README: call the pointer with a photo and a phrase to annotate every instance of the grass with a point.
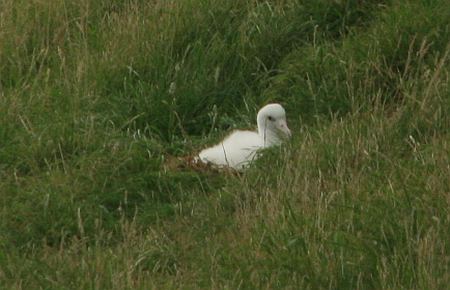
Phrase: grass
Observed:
(96, 98)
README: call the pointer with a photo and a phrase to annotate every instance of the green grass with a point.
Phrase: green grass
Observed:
(97, 98)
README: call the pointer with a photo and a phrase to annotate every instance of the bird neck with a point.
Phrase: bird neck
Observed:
(269, 137)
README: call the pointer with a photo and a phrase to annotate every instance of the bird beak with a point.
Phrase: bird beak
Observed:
(284, 128)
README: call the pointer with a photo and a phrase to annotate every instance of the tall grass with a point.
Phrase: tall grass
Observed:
(96, 97)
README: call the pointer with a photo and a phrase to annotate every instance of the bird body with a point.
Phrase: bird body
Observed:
(241, 147)
(236, 150)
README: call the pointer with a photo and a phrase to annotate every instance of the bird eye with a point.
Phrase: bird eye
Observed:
(270, 118)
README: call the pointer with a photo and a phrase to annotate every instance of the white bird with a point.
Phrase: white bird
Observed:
(240, 148)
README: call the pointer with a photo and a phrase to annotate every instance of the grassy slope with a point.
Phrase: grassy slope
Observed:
(96, 95)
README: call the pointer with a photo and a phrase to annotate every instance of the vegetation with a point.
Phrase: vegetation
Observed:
(96, 98)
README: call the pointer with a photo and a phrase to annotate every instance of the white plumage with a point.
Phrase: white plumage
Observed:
(240, 148)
